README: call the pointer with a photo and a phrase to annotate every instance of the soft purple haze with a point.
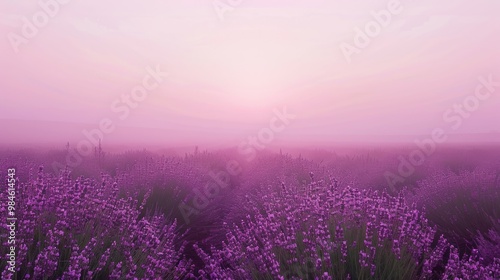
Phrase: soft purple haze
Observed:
(227, 76)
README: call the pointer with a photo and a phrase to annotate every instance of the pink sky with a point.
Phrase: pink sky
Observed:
(227, 76)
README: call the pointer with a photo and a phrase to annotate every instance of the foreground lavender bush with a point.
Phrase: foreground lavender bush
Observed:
(464, 206)
(72, 229)
(276, 221)
(328, 233)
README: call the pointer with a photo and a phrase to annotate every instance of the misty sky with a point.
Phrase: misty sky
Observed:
(229, 69)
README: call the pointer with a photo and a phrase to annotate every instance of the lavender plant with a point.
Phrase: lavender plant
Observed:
(72, 229)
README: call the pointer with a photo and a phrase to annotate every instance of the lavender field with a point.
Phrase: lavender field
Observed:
(315, 215)
(249, 140)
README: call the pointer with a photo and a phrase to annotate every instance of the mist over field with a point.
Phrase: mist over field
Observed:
(251, 139)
